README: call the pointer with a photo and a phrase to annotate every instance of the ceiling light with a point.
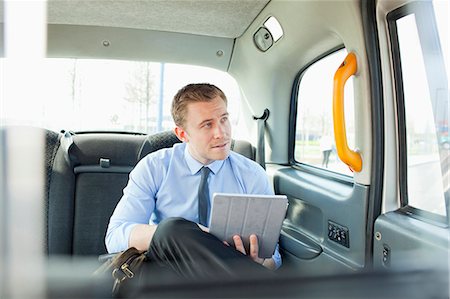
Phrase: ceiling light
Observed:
(274, 27)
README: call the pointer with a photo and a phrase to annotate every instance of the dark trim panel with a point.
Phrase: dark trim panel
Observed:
(100, 169)
(368, 13)
(392, 17)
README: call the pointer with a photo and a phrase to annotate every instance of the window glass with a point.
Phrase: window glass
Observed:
(314, 134)
(426, 100)
(113, 95)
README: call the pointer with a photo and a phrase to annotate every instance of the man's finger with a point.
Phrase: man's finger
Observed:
(254, 247)
(239, 244)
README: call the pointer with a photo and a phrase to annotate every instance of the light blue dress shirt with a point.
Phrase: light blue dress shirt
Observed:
(165, 184)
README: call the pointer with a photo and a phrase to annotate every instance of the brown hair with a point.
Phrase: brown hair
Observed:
(200, 92)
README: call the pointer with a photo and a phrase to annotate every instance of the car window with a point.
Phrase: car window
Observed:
(425, 102)
(114, 95)
(314, 133)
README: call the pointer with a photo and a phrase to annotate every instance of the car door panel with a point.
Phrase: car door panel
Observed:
(402, 241)
(319, 210)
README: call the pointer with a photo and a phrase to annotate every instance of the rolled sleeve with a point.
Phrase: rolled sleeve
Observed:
(277, 257)
(117, 236)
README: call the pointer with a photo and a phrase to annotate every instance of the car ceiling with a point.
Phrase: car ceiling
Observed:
(220, 18)
(178, 31)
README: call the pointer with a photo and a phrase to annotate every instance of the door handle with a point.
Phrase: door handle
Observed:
(298, 244)
(348, 156)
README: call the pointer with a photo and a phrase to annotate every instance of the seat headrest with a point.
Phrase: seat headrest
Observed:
(158, 141)
(119, 149)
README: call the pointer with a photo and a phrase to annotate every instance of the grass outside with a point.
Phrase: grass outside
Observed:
(309, 152)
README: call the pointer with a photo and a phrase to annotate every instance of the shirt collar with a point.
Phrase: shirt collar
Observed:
(195, 166)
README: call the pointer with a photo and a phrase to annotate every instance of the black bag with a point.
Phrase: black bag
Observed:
(123, 266)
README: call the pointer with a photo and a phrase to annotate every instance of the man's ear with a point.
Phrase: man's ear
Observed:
(181, 134)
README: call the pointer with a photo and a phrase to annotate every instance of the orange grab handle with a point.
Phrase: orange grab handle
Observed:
(348, 156)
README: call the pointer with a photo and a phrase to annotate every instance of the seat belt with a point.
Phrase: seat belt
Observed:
(260, 151)
(66, 144)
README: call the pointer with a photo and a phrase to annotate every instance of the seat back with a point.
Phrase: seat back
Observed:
(89, 173)
(88, 176)
(42, 175)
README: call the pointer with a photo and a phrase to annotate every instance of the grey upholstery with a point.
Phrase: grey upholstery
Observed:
(244, 148)
(85, 190)
(88, 175)
(52, 142)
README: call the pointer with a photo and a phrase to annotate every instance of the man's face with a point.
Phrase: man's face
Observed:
(207, 131)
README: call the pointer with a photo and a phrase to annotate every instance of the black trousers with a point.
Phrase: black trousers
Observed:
(181, 250)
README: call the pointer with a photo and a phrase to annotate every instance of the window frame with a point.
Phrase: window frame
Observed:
(293, 126)
(421, 11)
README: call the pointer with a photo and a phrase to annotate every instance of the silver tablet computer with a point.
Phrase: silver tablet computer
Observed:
(246, 214)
